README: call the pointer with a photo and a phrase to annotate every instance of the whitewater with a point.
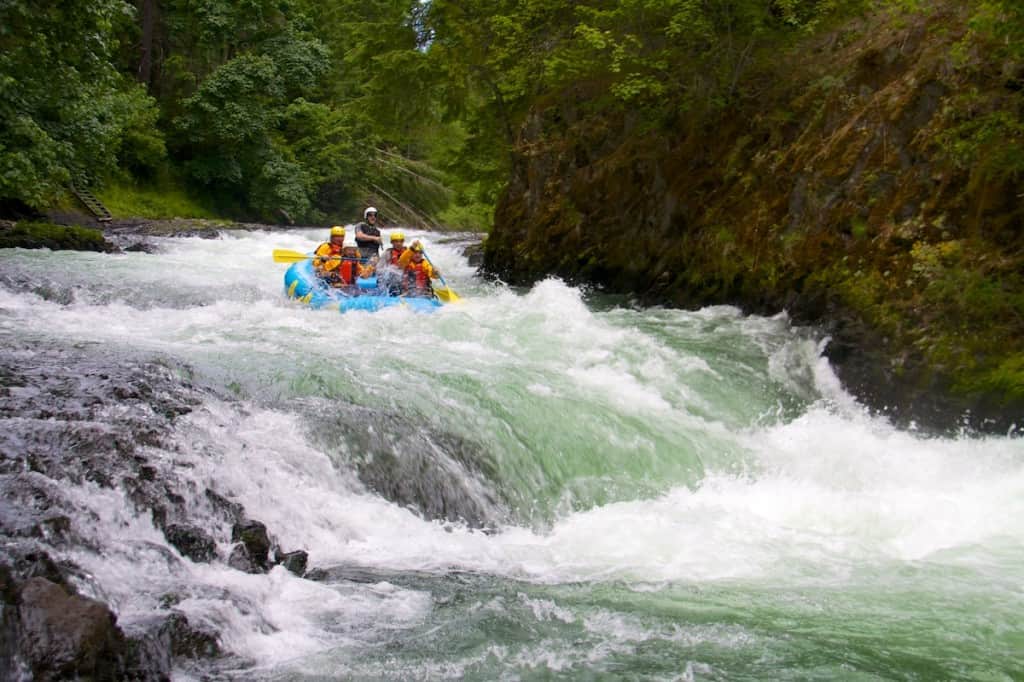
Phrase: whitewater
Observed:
(655, 494)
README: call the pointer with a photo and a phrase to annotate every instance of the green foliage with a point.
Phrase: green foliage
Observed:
(1001, 22)
(231, 127)
(469, 217)
(859, 228)
(1006, 380)
(28, 235)
(159, 197)
(989, 144)
(65, 111)
(954, 274)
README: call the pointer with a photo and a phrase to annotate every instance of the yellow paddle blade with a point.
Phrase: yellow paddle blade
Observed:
(287, 256)
(446, 295)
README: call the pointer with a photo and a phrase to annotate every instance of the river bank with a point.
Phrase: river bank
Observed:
(864, 190)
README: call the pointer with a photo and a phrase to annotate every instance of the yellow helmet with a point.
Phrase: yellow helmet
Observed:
(397, 236)
(337, 231)
(416, 246)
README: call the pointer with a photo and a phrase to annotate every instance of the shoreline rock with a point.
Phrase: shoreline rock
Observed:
(831, 195)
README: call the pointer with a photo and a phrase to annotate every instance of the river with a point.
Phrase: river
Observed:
(654, 494)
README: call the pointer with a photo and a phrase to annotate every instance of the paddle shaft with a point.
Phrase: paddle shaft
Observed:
(439, 275)
(286, 256)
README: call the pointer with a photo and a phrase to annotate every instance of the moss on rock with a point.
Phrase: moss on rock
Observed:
(32, 235)
(870, 188)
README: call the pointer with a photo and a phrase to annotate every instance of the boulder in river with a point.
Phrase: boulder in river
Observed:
(255, 541)
(60, 635)
(191, 541)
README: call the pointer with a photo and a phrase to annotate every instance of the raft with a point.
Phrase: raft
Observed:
(301, 283)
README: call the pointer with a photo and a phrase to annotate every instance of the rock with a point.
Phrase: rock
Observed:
(64, 635)
(140, 247)
(253, 536)
(240, 560)
(232, 512)
(294, 561)
(441, 474)
(149, 650)
(190, 641)
(39, 235)
(755, 211)
(474, 254)
(191, 541)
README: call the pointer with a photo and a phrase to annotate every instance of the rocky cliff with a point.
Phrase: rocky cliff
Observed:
(865, 181)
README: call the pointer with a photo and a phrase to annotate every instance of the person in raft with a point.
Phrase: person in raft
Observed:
(389, 270)
(418, 273)
(368, 234)
(406, 256)
(328, 256)
(350, 267)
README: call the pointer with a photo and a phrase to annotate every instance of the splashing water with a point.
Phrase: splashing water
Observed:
(667, 494)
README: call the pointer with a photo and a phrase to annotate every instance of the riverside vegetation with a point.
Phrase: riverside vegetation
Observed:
(858, 164)
(861, 168)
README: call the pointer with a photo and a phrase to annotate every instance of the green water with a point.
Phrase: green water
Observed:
(683, 495)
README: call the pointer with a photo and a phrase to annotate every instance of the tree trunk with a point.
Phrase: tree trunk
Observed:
(147, 13)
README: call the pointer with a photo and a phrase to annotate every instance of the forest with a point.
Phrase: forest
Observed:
(280, 111)
(298, 111)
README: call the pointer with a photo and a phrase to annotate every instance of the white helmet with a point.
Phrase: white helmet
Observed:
(368, 211)
(350, 240)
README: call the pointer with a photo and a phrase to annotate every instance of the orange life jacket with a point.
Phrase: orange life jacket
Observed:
(324, 265)
(393, 255)
(348, 270)
(417, 276)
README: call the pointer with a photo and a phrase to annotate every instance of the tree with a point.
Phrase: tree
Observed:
(65, 112)
(231, 127)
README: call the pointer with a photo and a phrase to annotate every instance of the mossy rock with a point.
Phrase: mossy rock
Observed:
(57, 237)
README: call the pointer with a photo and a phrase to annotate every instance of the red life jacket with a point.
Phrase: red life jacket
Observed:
(393, 255)
(416, 277)
(348, 271)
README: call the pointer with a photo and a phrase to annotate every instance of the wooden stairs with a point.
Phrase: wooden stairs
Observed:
(94, 205)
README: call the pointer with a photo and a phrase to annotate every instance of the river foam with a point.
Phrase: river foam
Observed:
(642, 457)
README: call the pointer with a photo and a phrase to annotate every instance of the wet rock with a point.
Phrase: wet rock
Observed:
(85, 415)
(35, 508)
(41, 235)
(232, 512)
(189, 640)
(192, 541)
(35, 564)
(442, 475)
(49, 632)
(149, 649)
(294, 561)
(155, 642)
(474, 254)
(241, 560)
(253, 536)
(63, 635)
(141, 247)
(82, 417)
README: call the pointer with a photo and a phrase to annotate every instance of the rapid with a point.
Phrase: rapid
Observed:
(532, 484)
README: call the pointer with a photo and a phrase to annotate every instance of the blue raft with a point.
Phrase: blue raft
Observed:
(301, 283)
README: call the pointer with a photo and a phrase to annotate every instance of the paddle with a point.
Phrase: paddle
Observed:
(287, 256)
(446, 294)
